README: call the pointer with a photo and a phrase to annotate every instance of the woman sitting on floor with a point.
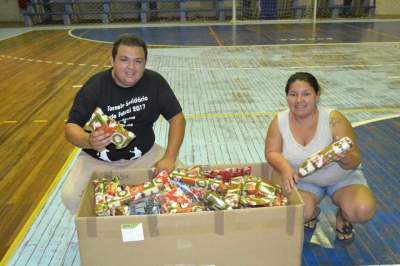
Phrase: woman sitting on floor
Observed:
(304, 129)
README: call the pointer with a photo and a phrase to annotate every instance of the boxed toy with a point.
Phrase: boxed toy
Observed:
(249, 236)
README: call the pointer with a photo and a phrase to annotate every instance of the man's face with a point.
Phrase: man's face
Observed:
(128, 65)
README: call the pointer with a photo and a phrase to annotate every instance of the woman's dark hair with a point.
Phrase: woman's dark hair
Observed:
(129, 40)
(306, 77)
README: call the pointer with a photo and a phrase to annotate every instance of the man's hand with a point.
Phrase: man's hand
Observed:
(164, 164)
(99, 139)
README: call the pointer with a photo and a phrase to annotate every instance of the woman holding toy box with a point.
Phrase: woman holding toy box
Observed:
(304, 129)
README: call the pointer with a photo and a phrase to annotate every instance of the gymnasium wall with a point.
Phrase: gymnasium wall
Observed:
(387, 7)
(9, 11)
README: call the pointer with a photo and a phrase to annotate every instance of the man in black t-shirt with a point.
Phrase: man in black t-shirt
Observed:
(135, 97)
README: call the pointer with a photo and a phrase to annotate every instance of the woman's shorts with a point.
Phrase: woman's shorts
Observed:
(356, 178)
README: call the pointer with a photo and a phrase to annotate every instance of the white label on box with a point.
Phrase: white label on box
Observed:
(132, 232)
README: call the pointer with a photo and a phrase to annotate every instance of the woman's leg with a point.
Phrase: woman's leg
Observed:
(311, 209)
(356, 204)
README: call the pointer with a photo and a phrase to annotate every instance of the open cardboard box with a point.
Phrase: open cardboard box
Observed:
(245, 237)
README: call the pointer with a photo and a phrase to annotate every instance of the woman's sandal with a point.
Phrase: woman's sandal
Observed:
(312, 223)
(346, 233)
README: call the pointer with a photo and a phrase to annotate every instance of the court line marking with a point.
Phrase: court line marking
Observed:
(223, 68)
(250, 114)
(374, 31)
(48, 62)
(36, 211)
(243, 46)
(67, 165)
(222, 115)
(310, 39)
(244, 23)
(214, 23)
(215, 36)
(357, 124)
(24, 30)
(247, 114)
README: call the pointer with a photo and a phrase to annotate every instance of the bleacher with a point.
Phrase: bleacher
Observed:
(69, 12)
(107, 11)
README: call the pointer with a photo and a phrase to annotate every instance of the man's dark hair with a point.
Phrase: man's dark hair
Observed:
(306, 77)
(129, 40)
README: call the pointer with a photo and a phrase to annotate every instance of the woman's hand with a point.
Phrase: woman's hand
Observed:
(341, 157)
(341, 127)
(289, 179)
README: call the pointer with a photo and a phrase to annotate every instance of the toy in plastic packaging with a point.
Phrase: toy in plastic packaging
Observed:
(325, 156)
(120, 136)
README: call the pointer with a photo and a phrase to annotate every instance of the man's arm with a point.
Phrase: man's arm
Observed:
(176, 133)
(96, 140)
(175, 138)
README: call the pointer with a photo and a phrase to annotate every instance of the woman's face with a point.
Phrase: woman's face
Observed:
(302, 98)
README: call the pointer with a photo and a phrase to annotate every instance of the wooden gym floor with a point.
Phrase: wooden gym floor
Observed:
(229, 95)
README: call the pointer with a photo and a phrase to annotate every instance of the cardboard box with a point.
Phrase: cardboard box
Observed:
(252, 236)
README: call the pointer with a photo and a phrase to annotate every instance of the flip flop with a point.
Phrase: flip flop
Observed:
(346, 233)
(312, 223)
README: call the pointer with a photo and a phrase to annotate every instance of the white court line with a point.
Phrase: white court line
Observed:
(357, 124)
(277, 67)
(233, 68)
(71, 28)
(190, 24)
(8, 33)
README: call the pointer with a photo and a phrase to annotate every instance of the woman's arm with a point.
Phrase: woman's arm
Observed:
(341, 127)
(273, 155)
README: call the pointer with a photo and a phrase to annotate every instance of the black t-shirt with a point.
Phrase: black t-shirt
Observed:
(137, 108)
